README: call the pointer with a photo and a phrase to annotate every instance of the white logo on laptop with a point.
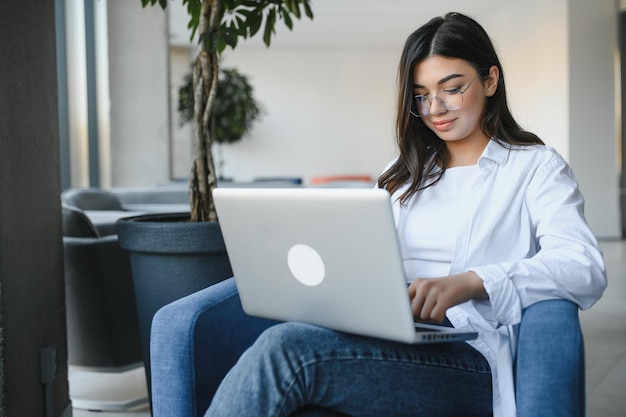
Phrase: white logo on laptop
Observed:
(306, 265)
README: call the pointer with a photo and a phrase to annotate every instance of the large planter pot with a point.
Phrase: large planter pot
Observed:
(170, 258)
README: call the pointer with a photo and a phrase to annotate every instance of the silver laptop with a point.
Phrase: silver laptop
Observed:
(328, 257)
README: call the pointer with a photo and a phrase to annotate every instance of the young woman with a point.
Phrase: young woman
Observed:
(490, 221)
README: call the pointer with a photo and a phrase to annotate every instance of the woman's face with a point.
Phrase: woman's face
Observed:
(457, 84)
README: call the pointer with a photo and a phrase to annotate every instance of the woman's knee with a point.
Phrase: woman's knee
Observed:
(289, 335)
(284, 332)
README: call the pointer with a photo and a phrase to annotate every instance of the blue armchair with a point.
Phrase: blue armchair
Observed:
(195, 340)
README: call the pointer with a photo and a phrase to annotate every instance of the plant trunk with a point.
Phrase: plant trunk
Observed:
(203, 178)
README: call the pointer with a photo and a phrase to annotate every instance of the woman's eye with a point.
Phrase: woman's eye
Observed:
(452, 90)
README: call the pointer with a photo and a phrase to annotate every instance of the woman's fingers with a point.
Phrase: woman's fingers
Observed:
(424, 299)
(417, 299)
(431, 298)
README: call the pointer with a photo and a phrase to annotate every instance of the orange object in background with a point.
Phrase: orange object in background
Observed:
(333, 178)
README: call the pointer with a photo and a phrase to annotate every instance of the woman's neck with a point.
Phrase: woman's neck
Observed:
(463, 152)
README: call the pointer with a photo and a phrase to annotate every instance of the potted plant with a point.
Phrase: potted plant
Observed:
(221, 23)
(176, 255)
(236, 109)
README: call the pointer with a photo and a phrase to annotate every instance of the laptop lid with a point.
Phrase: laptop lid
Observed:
(328, 257)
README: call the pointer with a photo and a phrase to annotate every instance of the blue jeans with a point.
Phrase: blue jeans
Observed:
(292, 365)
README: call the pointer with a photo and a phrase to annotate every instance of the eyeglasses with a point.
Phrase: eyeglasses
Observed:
(449, 99)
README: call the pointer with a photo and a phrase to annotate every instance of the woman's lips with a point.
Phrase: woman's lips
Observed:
(443, 125)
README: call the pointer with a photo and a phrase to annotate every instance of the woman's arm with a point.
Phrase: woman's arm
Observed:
(567, 264)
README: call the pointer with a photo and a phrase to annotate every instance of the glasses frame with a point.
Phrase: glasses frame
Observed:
(421, 98)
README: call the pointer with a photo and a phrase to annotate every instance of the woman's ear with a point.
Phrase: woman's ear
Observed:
(491, 82)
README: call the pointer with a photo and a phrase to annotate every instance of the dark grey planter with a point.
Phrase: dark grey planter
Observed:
(170, 258)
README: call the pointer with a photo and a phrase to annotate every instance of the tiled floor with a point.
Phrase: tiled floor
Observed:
(604, 327)
(115, 392)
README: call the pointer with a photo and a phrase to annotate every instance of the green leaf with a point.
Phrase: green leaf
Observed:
(308, 10)
(294, 7)
(162, 3)
(230, 36)
(252, 4)
(221, 45)
(246, 13)
(269, 27)
(242, 27)
(193, 9)
(254, 23)
(287, 18)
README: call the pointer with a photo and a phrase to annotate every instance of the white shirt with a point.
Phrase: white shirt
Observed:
(524, 233)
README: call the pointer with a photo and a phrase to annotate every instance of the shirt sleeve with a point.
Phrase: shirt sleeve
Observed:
(568, 263)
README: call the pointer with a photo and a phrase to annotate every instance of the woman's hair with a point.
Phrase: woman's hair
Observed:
(423, 156)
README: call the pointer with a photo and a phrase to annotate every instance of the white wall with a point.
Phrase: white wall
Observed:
(138, 71)
(326, 112)
(531, 39)
(181, 134)
(592, 118)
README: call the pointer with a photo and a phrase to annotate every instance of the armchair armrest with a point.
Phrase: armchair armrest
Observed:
(194, 342)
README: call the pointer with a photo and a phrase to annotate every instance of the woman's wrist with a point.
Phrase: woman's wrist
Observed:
(477, 287)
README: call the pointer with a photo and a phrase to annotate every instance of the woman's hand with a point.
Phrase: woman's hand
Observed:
(430, 298)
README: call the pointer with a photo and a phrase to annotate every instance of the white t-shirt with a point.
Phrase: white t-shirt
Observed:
(429, 233)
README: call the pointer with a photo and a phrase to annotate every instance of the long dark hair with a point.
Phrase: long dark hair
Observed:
(423, 156)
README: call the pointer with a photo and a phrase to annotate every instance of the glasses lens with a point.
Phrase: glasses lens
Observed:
(454, 101)
(421, 103)
(448, 100)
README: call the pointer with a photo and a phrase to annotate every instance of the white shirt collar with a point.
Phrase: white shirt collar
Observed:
(496, 152)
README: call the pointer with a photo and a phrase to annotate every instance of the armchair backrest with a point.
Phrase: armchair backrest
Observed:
(91, 199)
(76, 223)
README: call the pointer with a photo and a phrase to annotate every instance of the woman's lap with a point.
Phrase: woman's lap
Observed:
(294, 364)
